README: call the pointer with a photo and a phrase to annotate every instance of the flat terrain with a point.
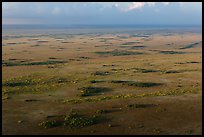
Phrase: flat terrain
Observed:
(102, 83)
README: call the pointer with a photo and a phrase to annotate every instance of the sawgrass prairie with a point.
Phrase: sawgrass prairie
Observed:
(102, 81)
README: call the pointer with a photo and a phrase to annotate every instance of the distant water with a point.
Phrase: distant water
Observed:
(84, 29)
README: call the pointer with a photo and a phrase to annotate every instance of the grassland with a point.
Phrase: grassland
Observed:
(73, 84)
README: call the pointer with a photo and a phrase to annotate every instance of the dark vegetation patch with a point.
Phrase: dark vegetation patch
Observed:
(76, 121)
(141, 105)
(172, 52)
(106, 65)
(188, 62)
(173, 92)
(102, 73)
(138, 84)
(45, 62)
(119, 53)
(73, 120)
(12, 43)
(66, 42)
(91, 91)
(96, 81)
(30, 100)
(193, 62)
(130, 43)
(190, 45)
(20, 63)
(50, 124)
(12, 59)
(33, 39)
(138, 47)
(36, 45)
(101, 111)
(52, 58)
(105, 39)
(32, 84)
(82, 57)
(145, 70)
(171, 71)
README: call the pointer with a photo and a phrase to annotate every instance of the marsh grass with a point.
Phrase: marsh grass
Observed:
(173, 92)
(141, 105)
(102, 73)
(188, 62)
(19, 63)
(50, 124)
(96, 81)
(171, 52)
(138, 47)
(36, 45)
(130, 43)
(72, 120)
(90, 90)
(171, 71)
(138, 84)
(101, 111)
(32, 84)
(82, 57)
(119, 53)
(190, 45)
(141, 70)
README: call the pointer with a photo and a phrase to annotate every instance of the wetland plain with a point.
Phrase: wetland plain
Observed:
(102, 81)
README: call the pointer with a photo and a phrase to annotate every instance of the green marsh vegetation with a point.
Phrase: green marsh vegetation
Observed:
(91, 91)
(172, 52)
(118, 53)
(138, 84)
(173, 92)
(141, 105)
(32, 84)
(73, 120)
(190, 45)
(19, 63)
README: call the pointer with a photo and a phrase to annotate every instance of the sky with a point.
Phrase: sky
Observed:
(88, 13)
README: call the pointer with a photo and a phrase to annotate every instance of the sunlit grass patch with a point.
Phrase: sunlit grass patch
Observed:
(50, 124)
(173, 92)
(32, 84)
(72, 120)
(75, 120)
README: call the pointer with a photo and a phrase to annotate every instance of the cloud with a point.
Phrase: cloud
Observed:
(151, 3)
(166, 3)
(56, 11)
(135, 5)
(139, 5)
